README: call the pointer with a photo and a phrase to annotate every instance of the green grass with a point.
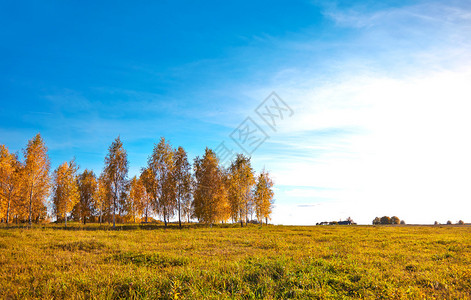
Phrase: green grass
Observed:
(274, 262)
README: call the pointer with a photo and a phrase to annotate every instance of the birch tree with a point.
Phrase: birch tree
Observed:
(10, 181)
(210, 197)
(183, 182)
(162, 167)
(65, 190)
(137, 195)
(263, 197)
(104, 197)
(88, 190)
(240, 183)
(116, 170)
(36, 177)
(150, 184)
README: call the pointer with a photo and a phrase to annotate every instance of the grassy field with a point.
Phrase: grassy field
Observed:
(274, 262)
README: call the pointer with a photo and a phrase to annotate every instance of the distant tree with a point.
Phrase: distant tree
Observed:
(183, 180)
(376, 221)
(65, 190)
(448, 222)
(210, 203)
(88, 190)
(460, 222)
(240, 182)
(385, 220)
(36, 177)
(395, 220)
(161, 162)
(263, 197)
(116, 170)
(10, 182)
(436, 223)
(403, 222)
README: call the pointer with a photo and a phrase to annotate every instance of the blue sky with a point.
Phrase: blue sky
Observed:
(380, 93)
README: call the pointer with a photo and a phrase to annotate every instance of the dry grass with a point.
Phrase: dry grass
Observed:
(282, 262)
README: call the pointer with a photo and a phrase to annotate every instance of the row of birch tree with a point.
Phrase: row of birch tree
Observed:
(168, 187)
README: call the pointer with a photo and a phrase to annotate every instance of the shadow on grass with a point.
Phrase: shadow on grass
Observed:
(119, 227)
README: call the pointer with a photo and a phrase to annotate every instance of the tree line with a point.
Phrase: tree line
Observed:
(460, 222)
(169, 186)
(385, 220)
